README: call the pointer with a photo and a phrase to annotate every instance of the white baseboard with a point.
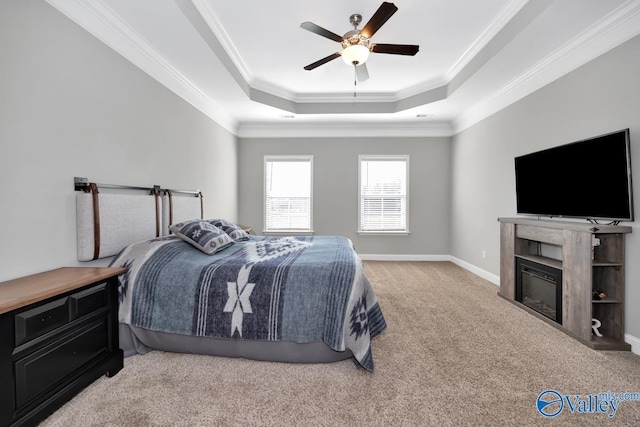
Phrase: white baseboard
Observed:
(476, 270)
(472, 268)
(394, 257)
(635, 343)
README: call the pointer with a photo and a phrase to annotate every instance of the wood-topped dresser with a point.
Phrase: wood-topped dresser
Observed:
(58, 334)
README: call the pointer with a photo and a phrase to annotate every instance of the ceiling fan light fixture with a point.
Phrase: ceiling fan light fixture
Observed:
(355, 54)
(356, 44)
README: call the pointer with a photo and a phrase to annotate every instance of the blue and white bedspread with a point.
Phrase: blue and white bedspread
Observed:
(301, 289)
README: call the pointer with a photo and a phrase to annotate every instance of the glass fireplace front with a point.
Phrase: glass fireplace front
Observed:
(539, 287)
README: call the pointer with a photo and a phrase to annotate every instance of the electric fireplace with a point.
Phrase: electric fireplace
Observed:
(539, 287)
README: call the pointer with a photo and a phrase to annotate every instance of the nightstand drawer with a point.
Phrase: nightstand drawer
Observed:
(58, 334)
(38, 321)
(88, 301)
(35, 374)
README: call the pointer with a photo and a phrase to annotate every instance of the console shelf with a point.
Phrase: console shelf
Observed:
(592, 259)
(542, 260)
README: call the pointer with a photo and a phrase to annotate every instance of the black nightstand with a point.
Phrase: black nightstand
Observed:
(58, 334)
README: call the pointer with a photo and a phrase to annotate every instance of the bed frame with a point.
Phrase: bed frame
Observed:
(110, 217)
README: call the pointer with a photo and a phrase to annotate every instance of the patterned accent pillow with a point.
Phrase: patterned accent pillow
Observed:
(203, 235)
(233, 230)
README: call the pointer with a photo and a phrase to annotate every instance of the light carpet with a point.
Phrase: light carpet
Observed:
(454, 354)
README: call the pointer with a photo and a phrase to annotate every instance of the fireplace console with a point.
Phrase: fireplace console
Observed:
(560, 292)
(539, 287)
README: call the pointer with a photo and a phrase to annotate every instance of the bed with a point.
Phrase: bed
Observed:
(207, 287)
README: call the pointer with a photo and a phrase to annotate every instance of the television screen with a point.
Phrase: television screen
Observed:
(586, 179)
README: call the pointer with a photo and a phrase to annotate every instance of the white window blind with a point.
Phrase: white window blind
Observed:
(288, 190)
(383, 193)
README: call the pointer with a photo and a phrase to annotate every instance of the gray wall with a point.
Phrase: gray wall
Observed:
(600, 97)
(70, 106)
(335, 188)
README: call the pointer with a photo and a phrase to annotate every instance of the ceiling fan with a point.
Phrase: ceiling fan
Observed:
(356, 44)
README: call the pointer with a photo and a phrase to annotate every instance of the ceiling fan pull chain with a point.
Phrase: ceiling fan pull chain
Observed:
(355, 79)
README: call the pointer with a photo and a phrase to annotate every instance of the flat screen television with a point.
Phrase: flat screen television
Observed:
(588, 179)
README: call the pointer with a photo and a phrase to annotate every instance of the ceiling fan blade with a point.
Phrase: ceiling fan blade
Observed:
(362, 74)
(396, 49)
(310, 26)
(322, 61)
(382, 15)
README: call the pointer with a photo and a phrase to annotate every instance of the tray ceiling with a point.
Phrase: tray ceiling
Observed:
(242, 63)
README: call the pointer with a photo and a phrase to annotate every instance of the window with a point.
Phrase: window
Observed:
(287, 194)
(384, 181)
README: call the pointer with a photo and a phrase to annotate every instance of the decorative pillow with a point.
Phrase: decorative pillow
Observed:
(233, 230)
(203, 235)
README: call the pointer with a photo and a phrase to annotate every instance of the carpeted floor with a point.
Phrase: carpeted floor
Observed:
(454, 353)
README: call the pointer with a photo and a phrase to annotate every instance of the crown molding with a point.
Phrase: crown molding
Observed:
(503, 18)
(342, 97)
(347, 129)
(617, 27)
(98, 19)
(208, 14)
(211, 19)
(102, 22)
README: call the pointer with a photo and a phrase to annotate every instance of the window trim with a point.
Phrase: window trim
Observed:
(382, 157)
(287, 158)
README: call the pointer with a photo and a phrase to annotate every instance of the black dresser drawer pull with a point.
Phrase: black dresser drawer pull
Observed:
(32, 323)
(88, 301)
